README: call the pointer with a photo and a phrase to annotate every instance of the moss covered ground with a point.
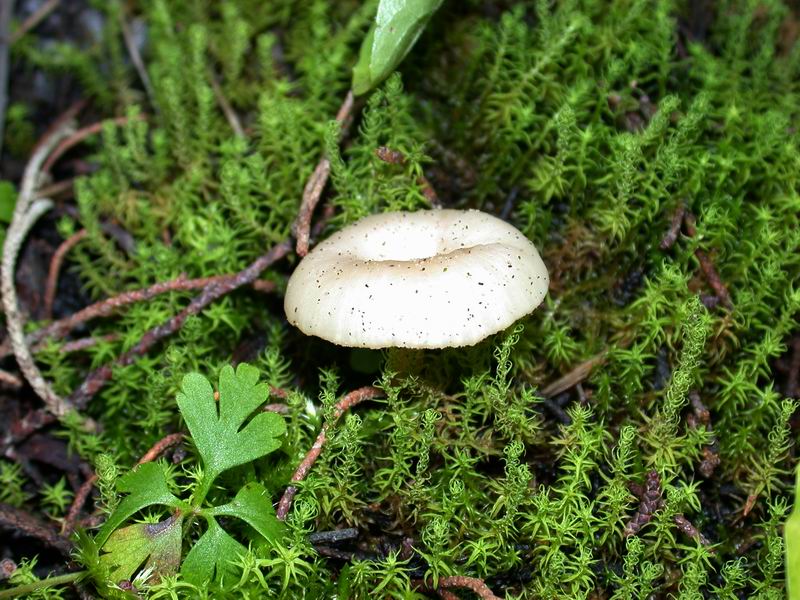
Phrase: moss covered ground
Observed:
(632, 438)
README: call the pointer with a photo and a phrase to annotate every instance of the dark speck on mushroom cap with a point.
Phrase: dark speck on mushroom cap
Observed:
(428, 279)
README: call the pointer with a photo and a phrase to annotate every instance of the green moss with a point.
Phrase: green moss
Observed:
(588, 123)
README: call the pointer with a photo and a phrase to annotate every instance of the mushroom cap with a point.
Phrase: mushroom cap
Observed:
(426, 279)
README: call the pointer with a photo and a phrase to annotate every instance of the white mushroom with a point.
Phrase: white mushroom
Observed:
(427, 279)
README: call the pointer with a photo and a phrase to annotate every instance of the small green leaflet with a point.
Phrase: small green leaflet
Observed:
(224, 438)
(253, 506)
(217, 436)
(397, 26)
(211, 556)
(129, 547)
(146, 485)
(791, 536)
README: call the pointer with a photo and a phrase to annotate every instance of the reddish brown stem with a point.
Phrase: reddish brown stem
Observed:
(77, 137)
(87, 342)
(477, 586)
(95, 381)
(107, 307)
(10, 380)
(346, 403)
(160, 447)
(55, 268)
(707, 265)
(686, 527)
(19, 521)
(675, 227)
(77, 504)
(315, 184)
(395, 157)
(34, 19)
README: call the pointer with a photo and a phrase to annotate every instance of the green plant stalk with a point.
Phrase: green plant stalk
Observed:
(41, 584)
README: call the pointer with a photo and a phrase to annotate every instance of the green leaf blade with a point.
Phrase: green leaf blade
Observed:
(253, 506)
(146, 485)
(212, 556)
(397, 26)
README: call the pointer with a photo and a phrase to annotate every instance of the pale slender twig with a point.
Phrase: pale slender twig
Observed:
(575, 376)
(55, 269)
(227, 109)
(26, 212)
(34, 19)
(78, 136)
(346, 403)
(6, 10)
(136, 59)
(10, 380)
(316, 183)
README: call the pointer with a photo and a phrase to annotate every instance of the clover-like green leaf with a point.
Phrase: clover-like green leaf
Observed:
(212, 556)
(146, 485)
(253, 506)
(219, 436)
(158, 543)
(397, 26)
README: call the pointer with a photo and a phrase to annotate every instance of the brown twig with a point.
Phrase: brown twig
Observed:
(477, 586)
(6, 11)
(227, 109)
(55, 268)
(276, 408)
(23, 428)
(315, 184)
(95, 381)
(136, 60)
(574, 377)
(686, 527)
(395, 157)
(9, 379)
(77, 504)
(77, 137)
(19, 521)
(160, 447)
(650, 502)
(675, 227)
(346, 403)
(104, 308)
(707, 265)
(87, 342)
(36, 17)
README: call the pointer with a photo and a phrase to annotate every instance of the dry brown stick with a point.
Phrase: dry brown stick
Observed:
(710, 271)
(686, 527)
(395, 157)
(346, 403)
(6, 11)
(160, 447)
(675, 227)
(477, 586)
(77, 504)
(707, 265)
(36, 17)
(227, 109)
(95, 381)
(87, 342)
(9, 379)
(55, 268)
(316, 183)
(78, 136)
(136, 59)
(104, 308)
(27, 210)
(575, 376)
(19, 521)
